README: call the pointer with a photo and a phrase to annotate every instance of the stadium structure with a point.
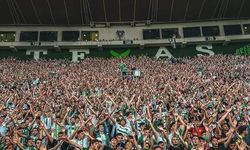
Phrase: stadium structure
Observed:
(33, 29)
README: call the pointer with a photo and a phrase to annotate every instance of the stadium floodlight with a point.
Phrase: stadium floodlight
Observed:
(120, 34)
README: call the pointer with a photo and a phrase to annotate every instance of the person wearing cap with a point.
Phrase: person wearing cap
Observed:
(194, 145)
(204, 142)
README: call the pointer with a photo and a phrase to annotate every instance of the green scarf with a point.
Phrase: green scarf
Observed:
(56, 131)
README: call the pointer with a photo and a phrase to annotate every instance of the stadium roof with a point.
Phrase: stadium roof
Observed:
(83, 12)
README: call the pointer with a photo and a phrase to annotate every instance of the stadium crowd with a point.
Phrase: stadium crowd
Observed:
(200, 103)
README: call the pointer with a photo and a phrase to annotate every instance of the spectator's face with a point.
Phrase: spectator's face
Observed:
(225, 127)
(164, 131)
(30, 143)
(23, 125)
(233, 146)
(174, 141)
(101, 128)
(195, 140)
(215, 142)
(189, 134)
(10, 147)
(30, 119)
(114, 142)
(102, 117)
(161, 145)
(203, 142)
(60, 136)
(7, 140)
(128, 145)
(38, 143)
(77, 120)
(35, 131)
(146, 132)
(39, 113)
(131, 139)
(119, 138)
(57, 119)
(81, 135)
(140, 112)
(123, 122)
(27, 121)
(142, 126)
(129, 115)
(1, 120)
(96, 145)
(73, 120)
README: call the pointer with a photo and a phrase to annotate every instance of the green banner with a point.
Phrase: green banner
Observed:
(157, 52)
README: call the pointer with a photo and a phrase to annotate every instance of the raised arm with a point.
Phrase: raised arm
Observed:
(224, 116)
(73, 143)
(46, 132)
(16, 140)
(185, 144)
(153, 128)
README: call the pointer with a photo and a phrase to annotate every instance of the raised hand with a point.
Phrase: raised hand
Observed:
(15, 140)
(133, 134)
(160, 128)
(148, 119)
(242, 145)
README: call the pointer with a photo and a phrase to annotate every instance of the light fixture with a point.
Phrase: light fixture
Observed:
(120, 34)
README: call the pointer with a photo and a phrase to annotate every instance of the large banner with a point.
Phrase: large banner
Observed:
(156, 52)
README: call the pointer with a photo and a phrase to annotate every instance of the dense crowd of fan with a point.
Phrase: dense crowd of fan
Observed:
(201, 103)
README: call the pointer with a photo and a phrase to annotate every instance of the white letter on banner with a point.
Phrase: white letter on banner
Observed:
(163, 52)
(205, 49)
(36, 55)
(78, 54)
